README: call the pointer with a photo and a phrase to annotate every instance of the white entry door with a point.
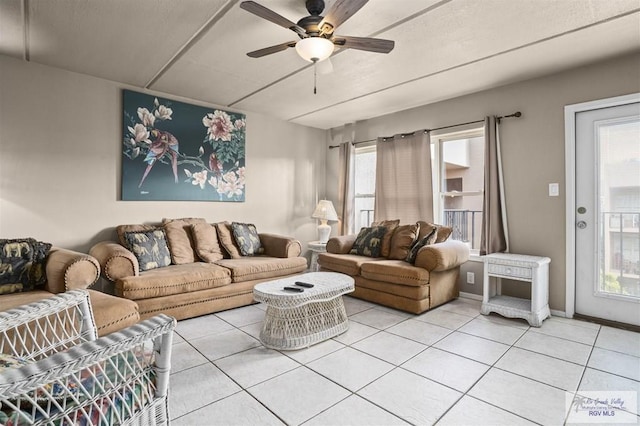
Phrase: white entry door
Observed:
(607, 212)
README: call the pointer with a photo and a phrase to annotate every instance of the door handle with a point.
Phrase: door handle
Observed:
(581, 224)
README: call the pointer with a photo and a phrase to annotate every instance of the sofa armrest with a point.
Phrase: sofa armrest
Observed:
(70, 270)
(280, 246)
(442, 256)
(341, 244)
(115, 260)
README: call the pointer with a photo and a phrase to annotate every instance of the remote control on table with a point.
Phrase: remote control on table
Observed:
(294, 289)
(305, 285)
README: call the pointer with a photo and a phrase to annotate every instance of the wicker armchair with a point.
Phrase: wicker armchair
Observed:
(65, 375)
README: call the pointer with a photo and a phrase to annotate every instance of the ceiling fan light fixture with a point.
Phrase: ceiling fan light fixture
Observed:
(314, 49)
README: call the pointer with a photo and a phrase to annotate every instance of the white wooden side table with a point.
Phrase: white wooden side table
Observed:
(316, 248)
(517, 267)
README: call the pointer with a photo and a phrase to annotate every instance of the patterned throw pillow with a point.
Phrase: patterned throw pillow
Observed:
(22, 264)
(369, 241)
(443, 231)
(424, 241)
(246, 238)
(391, 226)
(149, 247)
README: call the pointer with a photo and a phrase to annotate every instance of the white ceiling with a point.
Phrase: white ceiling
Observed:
(197, 49)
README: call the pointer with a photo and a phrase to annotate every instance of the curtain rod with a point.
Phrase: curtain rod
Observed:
(515, 114)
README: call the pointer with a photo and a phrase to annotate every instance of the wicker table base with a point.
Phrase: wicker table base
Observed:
(298, 320)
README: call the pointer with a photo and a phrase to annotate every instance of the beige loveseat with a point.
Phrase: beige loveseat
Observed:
(389, 279)
(70, 270)
(206, 274)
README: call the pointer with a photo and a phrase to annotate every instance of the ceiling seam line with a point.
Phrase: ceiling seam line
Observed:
(193, 40)
(513, 49)
(26, 54)
(390, 27)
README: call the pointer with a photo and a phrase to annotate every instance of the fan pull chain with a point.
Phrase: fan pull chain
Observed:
(315, 76)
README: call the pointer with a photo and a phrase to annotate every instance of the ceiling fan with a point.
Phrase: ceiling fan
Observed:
(316, 32)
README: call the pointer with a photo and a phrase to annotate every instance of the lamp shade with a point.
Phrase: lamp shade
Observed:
(314, 49)
(325, 211)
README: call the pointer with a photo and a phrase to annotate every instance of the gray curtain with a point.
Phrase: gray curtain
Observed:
(403, 178)
(494, 236)
(346, 188)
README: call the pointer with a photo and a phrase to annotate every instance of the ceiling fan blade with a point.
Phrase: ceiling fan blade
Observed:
(270, 15)
(339, 12)
(272, 49)
(377, 45)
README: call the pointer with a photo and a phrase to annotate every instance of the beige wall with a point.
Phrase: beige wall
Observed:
(533, 150)
(60, 150)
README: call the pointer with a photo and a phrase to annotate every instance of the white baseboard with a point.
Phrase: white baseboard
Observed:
(471, 295)
(555, 313)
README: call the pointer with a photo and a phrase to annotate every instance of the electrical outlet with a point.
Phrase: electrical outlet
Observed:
(471, 278)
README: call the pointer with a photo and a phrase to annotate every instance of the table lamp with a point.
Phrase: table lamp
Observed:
(324, 211)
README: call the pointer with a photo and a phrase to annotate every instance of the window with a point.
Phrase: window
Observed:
(458, 182)
(365, 185)
(458, 170)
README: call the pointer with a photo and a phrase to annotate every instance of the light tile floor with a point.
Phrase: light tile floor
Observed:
(448, 366)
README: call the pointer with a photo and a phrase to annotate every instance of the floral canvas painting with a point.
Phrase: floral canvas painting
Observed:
(177, 151)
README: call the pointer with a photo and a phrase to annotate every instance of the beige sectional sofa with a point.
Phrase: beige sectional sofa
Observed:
(389, 279)
(207, 273)
(70, 270)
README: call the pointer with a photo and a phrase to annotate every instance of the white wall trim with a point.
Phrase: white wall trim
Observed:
(570, 112)
(556, 313)
(471, 295)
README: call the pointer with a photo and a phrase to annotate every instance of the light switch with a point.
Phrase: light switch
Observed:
(554, 190)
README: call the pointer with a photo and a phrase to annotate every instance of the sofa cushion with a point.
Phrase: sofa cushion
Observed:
(369, 241)
(180, 240)
(246, 238)
(403, 238)
(428, 239)
(391, 225)
(345, 263)
(22, 264)
(173, 279)
(261, 267)
(443, 232)
(205, 240)
(409, 291)
(225, 236)
(395, 271)
(149, 247)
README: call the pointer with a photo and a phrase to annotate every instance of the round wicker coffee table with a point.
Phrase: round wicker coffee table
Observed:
(298, 320)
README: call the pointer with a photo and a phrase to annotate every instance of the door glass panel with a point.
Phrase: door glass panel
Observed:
(619, 202)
